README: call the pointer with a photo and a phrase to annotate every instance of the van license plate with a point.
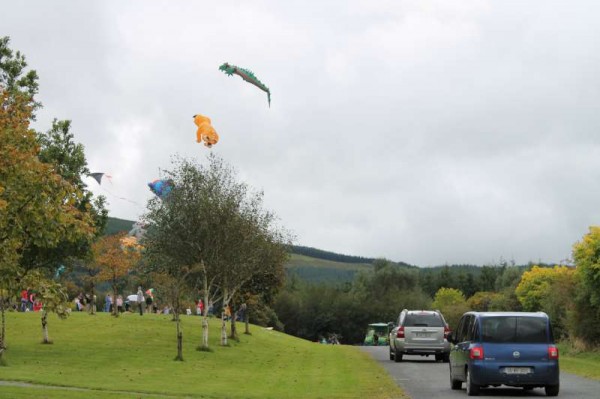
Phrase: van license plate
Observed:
(517, 370)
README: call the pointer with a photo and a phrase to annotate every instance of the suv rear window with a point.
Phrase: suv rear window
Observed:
(514, 329)
(423, 320)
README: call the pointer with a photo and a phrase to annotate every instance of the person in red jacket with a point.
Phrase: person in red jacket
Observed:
(24, 299)
(37, 305)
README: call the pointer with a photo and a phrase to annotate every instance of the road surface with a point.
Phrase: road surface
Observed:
(423, 378)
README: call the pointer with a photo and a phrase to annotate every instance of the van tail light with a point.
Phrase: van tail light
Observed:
(446, 332)
(552, 353)
(476, 353)
(400, 333)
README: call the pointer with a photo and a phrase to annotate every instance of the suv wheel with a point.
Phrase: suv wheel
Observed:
(454, 384)
(439, 358)
(552, 390)
(472, 389)
(391, 354)
(397, 356)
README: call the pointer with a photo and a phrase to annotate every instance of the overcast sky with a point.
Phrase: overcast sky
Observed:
(428, 132)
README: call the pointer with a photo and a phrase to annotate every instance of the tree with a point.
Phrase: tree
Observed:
(451, 302)
(487, 278)
(215, 235)
(37, 206)
(256, 248)
(53, 298)
(586, 254)
(114, 261)
(57, 148)
(482, 300)
(549, 290)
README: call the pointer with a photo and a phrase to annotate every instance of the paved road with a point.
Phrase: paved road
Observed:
(423, 378)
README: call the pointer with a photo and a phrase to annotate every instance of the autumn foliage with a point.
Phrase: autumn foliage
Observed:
(114, 261)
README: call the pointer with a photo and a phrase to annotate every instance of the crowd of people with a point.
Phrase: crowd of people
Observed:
(29, 302)
(141, 301)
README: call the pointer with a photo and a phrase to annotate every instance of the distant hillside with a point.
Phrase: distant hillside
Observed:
(317, 270)
(116, 225)
(310, 264)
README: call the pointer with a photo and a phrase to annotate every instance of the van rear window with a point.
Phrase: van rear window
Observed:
(514, 329)
(423, 320)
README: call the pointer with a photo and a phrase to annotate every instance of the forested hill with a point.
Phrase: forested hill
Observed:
(116, 225)
(310, 264)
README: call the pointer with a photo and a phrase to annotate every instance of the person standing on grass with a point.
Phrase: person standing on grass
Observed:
(108, 303)
(24, 299)
(140, 299)
(120, 304)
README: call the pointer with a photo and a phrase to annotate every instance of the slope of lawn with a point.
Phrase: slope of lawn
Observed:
(132, 356)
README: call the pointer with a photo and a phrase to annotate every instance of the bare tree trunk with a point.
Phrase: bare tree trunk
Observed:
(115, 311)
(204, 344)
(223, 329)
(179, 340)
(93, 300)
(223, 318)
(45, 327)
(3, 331)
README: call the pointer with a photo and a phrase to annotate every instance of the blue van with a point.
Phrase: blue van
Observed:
(504, 348)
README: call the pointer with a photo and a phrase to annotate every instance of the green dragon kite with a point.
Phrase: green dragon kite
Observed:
(247, 75)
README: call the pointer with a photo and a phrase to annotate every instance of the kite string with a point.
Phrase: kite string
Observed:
(121, 198)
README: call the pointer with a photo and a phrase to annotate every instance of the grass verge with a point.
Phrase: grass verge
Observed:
(132, 355)
(584, 364)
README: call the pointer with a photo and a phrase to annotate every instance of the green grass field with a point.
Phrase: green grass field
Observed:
(302, 260)
(132, 357)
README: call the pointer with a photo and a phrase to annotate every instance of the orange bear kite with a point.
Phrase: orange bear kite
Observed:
(205, 131)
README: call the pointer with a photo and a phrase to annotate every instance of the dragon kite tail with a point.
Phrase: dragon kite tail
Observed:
(247, 75)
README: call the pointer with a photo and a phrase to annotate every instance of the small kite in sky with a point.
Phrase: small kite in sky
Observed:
(206, 132)
(161, 188)
(248, 76)
(98, 176)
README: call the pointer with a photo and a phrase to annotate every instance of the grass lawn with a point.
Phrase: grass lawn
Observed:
(132, 356)
(585, 364)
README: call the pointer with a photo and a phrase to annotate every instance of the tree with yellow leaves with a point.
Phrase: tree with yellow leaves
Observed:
(114, 260)
(586, 254)
(550, 290)
(38, 207)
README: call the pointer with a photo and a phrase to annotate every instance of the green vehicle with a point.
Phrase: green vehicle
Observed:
(377, 334)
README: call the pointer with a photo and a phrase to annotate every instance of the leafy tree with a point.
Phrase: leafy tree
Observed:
(254, 247)
(14, 80)
(114, 261)
(482, 300)
(58, 148)
(212, 227)
(487, 278)
(536, 285)
(451, 302)
(445, 278)
(550, 290)
(586, 254)
(37, 206)
(53, 298)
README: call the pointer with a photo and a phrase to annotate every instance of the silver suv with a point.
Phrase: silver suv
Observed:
(420, 332)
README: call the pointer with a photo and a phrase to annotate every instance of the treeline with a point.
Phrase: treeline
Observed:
(570, 295)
